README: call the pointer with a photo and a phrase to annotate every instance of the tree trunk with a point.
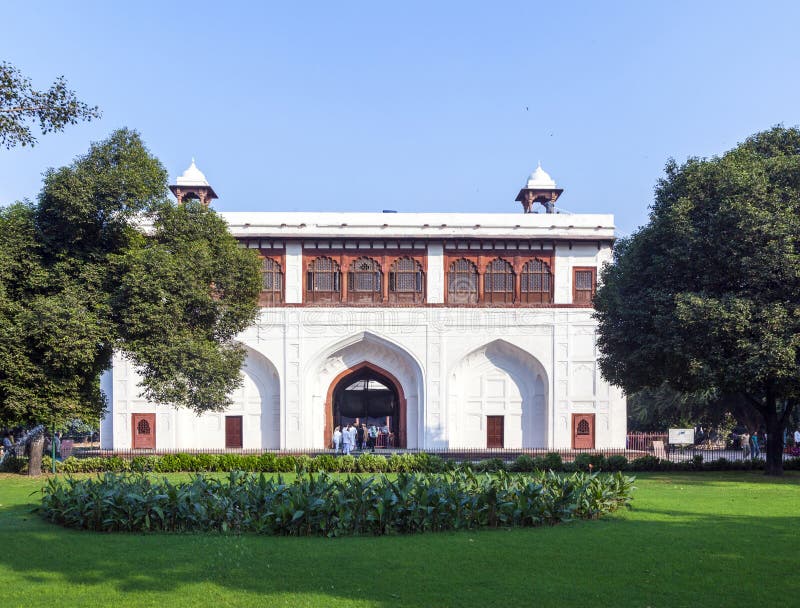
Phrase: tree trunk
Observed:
(774, 425)
(35, 455)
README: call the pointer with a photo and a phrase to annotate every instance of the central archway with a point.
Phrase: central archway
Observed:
(366, 392)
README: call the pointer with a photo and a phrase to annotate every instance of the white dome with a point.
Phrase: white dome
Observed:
(540, 179)
(192, 177)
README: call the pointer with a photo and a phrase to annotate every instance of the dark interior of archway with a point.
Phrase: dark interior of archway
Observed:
(367, 397)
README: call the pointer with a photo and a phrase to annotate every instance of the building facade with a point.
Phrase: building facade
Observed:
(446, 330)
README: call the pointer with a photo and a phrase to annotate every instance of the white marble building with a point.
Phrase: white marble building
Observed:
(460, 330)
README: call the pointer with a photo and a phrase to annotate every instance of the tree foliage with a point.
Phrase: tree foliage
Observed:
(21, 104)
(706, 296)
(103, 263)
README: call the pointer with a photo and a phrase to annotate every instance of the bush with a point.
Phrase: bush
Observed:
(316, 505)
(597, 462)
(347, 464)
(491, 465)
(552, 462)
(617, 462)
(644, 463)
(523, 464)
(371, 463)
(325, 462)
(401, 463)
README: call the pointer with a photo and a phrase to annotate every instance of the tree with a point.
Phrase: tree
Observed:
(706, 296)
(21, 104)
(103, 263)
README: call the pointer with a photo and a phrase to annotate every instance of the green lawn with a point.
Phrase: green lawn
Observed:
(707, 539)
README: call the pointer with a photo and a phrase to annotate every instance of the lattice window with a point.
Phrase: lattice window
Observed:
(323, 281)
(271, 282)
(406, 281)
(584, 428)
(143, 427)
(364, 281)
(462, 282)
(536, 282)
(584, 285)
(498, 282)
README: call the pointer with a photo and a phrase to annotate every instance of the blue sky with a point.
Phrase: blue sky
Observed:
(412, 106)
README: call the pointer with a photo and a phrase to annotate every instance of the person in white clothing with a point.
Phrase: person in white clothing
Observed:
(337, 439)
(347, 440)
(797, 437)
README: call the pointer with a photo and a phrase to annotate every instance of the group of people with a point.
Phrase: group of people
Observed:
(750, 445)
(356, 437)
(9, 447)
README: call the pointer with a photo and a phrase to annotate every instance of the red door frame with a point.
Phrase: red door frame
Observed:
(151, 420)
(576, 420)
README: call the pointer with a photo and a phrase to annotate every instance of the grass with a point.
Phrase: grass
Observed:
(710, 539)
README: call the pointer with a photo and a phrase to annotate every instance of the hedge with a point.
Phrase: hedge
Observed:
(377, 463)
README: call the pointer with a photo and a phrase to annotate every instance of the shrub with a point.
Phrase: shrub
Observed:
(644, 463)
(491, 465)
(552, 462)
(617, 462)
(325, 462)
(347, 463)
(401, 463)
(143, 464)
(371, 463)
(597, 462)
(313, 505)
(523, 464)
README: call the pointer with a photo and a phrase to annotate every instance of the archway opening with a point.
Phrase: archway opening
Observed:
(368, 395)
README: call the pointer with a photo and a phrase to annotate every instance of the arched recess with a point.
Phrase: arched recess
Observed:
(257, 400)
(336, 361)
(498, 379)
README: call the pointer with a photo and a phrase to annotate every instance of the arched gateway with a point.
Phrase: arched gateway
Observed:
(389, 375)
(370, 395)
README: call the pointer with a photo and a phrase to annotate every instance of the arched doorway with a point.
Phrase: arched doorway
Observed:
(367, 394)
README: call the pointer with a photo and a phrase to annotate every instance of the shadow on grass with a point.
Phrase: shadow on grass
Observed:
(651, 556)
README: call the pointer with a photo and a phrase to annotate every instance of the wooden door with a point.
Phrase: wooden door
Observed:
(494, 431)
(233, 431)
(144, 431)
(583, 431)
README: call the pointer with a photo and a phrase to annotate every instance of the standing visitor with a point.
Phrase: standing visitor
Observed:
(57, 445)
(347, 439)
(797, 438)
(352, 437)
(744, 441)
(372, 436)
(337, 439)
(755, 449)
(360, 437)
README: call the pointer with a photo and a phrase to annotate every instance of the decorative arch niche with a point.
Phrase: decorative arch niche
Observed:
(366, 350)
(499, 379)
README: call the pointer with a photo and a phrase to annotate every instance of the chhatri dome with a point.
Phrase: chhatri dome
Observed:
(193, 184)
(540, 188)
(538, 179)
(194, 177)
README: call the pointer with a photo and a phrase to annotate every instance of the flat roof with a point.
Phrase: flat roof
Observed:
(279, 224)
